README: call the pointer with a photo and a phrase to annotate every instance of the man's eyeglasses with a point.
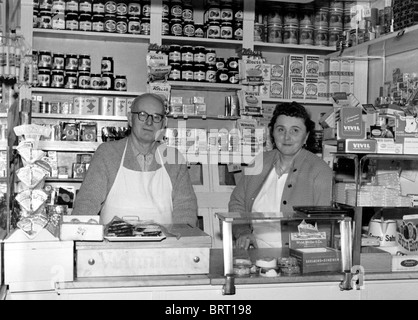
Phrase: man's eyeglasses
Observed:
(143, 116)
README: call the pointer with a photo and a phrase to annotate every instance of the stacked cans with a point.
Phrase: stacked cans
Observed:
(116, 16)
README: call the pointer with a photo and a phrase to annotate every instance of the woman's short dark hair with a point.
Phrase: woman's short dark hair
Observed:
(296, 110)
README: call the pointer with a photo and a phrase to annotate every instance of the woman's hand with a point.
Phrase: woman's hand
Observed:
(246, 240)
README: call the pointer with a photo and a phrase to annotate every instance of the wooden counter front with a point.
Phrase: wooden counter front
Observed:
(187, 255)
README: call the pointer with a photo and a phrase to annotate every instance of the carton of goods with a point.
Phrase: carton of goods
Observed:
(388, 146)
(276, 89)
(350, 124)
(81, 228)
(406, 132)
(314, 240)
(251, 70)
(311, 66)
(86, 105)
(357, 145)
(297, 88)
(311, 89)
(296, 66)
(120, 107)
(277, 72)
(265, 90)
(375, 260)
(317, 259)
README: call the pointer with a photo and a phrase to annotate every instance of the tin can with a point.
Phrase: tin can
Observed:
(291, 16)
(336, 18)
(306, 35)
(291, 34)
(321, 36)
(334, 35)
(57, 79)
(70, 80)
(307, 15)
(322, 16)
(275, 33)
(165, 27)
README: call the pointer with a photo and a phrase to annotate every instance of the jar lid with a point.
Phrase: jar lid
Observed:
(120, 76)
(96, 75)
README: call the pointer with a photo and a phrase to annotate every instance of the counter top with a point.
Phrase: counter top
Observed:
(216, 278)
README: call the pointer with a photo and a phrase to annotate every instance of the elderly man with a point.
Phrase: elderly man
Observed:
(131, 177)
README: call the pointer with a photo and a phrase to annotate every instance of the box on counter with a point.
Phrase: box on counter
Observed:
(298, 241)
(81, 228)
(406, 132)
(388, 146)
(402, 262)
(357, 146)
(374, 259)
(350, 124)
(86, 105)
(317, 259)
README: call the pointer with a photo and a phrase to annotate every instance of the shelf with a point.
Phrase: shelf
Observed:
(70, 146)
(67, 180)
(86, 35)
(78, 117)
(187, 117)
(84, 92)
(366, 45)
(207, 86)
(207, 42)
(265, 46)
(309, 102)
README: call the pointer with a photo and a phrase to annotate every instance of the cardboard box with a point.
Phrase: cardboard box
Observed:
(88, 228)
(297, 66)
(86, 105)
(120, 107)
(311, 89)
(350, 124)
(402, 263)
(297, 241)
(317, 259)
(311, 66)
(357, 146)
(388, 146)
(375, 260)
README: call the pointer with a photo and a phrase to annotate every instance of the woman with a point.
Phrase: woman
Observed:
(288, 176)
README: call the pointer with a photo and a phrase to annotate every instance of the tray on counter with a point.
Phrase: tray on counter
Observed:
(156, 230)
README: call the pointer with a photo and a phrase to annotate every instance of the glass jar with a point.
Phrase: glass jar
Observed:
(146, 26)
(134, 8)
(98, 7)
(121, 8)
(174, 55)
(222, 75)
(199, 30)
(176, 27)
(85, 23)
(188, 13)
(187, 54)
(188, 28)
(84, 80)
(233, 77)
(175, 74)
(199, 55)
(45, 19)
(110, 23)
(107, 65)
(45, 4)
(199, 73)
(227, 14)
(213, 13)
(232, 63)
(146, 8)
(71, 21)
(70, 80)
(227, 31)
(165, 27)
(187, 72)
(44, 78)
(58, 20)
(211, 57)
(71, 6)
(85, 6)
(57, 79)
(214, 30)
(107, 81)
(134, 25)
(176, 10)
(121, 84)
(44, 59)
(166, 9)
(211, 74)
(220, 63)
(238, 30)
(71, 62)
(96, 81)
(58, 6)
(97, 24)
(121, 24)
(58, 61)
(110, 7)
(84, 63)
